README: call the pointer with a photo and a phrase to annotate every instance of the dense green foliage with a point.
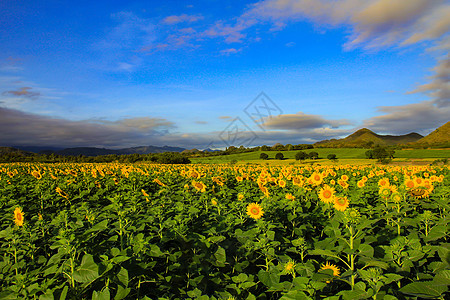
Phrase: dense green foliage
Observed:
(104, 231)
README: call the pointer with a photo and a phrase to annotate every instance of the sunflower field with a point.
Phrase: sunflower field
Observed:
(151, 231)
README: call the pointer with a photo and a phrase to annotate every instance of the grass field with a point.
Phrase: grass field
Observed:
(344, 155)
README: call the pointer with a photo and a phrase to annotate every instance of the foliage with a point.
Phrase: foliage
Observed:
(263, 155)
(153, 231)
(331, 156)
(279, 156)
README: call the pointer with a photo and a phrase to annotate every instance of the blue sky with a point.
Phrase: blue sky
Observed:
(129, 73)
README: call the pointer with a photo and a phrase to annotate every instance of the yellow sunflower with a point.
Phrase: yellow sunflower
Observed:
(18, 216)
(290, 197)
(334, 268)
(361, 183)
(326, 194)
(254, 210)
(281, 183)
(383, 182)
(341, 203)
(199, 186)
(316, 178)
(36, 174)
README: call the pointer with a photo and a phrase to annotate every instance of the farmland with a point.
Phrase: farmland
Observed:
(221, 231)
(344, 155)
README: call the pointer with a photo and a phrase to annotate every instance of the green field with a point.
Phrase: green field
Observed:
(344, 155)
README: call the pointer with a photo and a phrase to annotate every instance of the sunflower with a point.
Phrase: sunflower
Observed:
(334, 268)
(290, 197)
(264, 190)
(158, 182)
(36, 174)
(396, 197)
(289, 268)
(383, 182)
(281, 183)
(410, 184)
(326, 194)
(18, 216)
(316, 178)
(341, 203)
(361, 183)
(254, 210)
(297, 181)
(352, 215)
(240, 196)
(344, 177)
(61, 193)
(214, 201)
(199, 186)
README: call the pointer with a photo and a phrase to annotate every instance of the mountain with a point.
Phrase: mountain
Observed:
(38, 149)
(439, 137)
(92, 151)
(88, 151)
(149, 149)
(365, 137)
(14, 151)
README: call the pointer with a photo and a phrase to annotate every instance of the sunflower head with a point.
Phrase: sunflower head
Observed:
(18, 216)
(352, 216)
(326, 194)
(334, 268)
(341, 203)
(255, 211)
(289, 268)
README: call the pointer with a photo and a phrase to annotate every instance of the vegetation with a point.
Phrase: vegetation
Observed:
(263, 155)
(331, 156)
(279, 156)
(153, 231)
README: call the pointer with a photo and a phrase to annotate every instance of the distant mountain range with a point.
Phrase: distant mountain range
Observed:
(92, 151)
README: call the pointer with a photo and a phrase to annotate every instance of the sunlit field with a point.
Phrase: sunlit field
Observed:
(223, 231)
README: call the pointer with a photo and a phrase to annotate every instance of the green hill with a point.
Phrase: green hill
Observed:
(367, 138)
(439, 137)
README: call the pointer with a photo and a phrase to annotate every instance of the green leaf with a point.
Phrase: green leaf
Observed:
(47, 296)
(436, 233)
(424, 289)
(295, 295)
(103, 295)
(98, 227)
(220, 256)
(155, 251)
(123, 276)
(269, 279)
(88, 270)
(64, 293)
(391, 277)
(240, 278)
(322, 252)
(121, 292)
(366, 250)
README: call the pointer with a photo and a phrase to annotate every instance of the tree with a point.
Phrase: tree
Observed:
(263, 156)
(369, 154)
(331, 156)
(301, 155)
(279, 156)
(383, 154)
(313, 155)
(265, 148)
